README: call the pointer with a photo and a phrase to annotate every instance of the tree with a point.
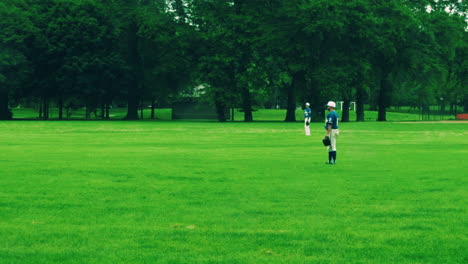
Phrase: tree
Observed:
(393, 26)
(229, 28)
(168, 53)
(285, 38)
(15, 28)
(436, 71)
(70, 51)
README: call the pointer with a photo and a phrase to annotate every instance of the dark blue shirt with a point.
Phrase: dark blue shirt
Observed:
(332, 118)
(307, 112)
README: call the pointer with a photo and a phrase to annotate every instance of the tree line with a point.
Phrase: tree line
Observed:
(244, 53)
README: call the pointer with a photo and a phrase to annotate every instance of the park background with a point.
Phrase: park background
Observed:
(117, 180)
(66, 56)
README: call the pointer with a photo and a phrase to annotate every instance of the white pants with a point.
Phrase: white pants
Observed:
(307, 127)
(333, 135)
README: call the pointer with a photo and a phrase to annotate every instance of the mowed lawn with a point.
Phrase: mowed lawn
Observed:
(206, 192)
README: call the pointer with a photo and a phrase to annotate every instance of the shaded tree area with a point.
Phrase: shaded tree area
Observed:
(93, 54)
(15, 27)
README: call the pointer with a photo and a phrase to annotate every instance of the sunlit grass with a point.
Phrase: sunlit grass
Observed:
(174, 192)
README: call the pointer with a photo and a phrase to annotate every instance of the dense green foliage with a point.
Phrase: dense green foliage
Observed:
(186, 192)
(244, 54)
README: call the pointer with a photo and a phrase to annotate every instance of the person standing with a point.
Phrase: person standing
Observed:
(331, 126)
(307, 116)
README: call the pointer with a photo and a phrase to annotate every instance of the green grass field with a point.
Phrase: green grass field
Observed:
(206, 192)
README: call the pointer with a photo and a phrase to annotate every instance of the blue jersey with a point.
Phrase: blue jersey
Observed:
(307, 112)
(332, 118)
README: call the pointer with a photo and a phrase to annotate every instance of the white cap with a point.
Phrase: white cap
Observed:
(331, 104)
(307, 104)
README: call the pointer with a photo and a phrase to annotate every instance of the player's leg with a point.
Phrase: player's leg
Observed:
(307, 126)
(333, 135)
(330, 155)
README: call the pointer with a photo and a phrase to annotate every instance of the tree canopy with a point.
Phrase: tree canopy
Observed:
(245, 54)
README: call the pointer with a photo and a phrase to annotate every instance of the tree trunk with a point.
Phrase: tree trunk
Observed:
(142, 107)
(455, 109)
(60, 107)
(382, 115)
(298, 82)
(383, 98)
(68, 111)
(465, 104)
(88, 113)
(46, 109)
(134, 62)
(291, 105)
(153, 105)
(44, 115)
(5, 112)
(247, 104)
(360, 94)
(107, 111)
(132, 107)
(40, 110)
(103, 111)
(220, 111)
(312, 92)
(426, 112)
(241, 65)
(69, 107)
(373, 101)
(345, 112)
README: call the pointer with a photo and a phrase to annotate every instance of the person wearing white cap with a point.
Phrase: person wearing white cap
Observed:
(331, 125)
(307, 116)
